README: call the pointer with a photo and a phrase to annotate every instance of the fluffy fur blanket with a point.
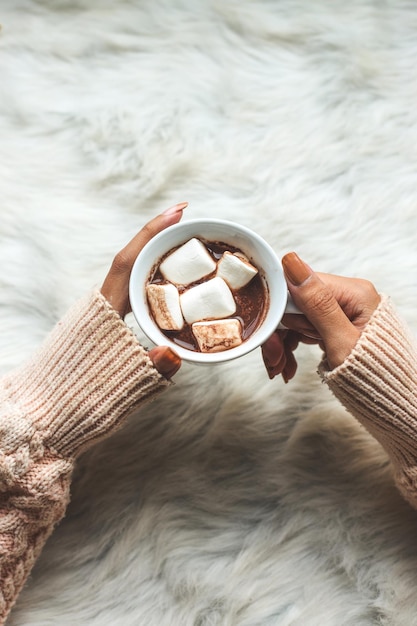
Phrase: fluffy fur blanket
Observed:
(231, 500)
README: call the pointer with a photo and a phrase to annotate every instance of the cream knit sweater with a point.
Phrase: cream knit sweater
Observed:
(88, 376)
(377, 384)
(91, 373)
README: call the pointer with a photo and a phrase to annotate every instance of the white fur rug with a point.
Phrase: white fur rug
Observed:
(232, 500)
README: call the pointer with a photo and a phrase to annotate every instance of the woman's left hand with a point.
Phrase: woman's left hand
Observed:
(116, 284)
(336, 310)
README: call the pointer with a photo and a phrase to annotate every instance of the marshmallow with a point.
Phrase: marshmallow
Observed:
(164, 301)
(218, 335)
(235, 270)
(207, 301)
(188, 263)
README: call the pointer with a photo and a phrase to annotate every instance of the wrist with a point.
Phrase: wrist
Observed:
(88, 375)
(341, 347)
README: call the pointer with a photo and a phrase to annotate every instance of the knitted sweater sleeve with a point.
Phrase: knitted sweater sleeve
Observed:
(89, 374)
(377, 384)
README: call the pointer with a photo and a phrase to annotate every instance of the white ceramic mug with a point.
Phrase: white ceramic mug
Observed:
(251, 244)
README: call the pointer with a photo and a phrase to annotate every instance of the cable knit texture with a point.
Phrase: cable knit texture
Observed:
(377, 383)
(86, 378)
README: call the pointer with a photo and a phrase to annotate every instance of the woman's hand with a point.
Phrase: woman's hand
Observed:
(116, 284)
(336, 310)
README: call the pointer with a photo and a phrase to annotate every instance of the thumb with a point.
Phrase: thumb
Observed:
(165, 360)
(319, 304)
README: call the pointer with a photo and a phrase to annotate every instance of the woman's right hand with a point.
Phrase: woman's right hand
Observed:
(336, 310)
(116, 284)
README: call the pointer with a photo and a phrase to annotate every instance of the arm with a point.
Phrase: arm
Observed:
(84, 381)
(369, 363)
(377, 383)
(88, 376)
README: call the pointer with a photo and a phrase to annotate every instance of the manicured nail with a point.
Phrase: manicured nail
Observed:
(176, 209)
(270, 372)
(295, 269)
(166, 361)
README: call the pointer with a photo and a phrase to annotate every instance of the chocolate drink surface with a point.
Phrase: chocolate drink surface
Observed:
(251, 299)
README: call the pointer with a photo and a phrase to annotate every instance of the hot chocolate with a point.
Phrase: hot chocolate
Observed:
(207, 296)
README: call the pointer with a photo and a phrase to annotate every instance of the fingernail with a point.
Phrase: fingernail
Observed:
(166, 361)
(295, 269)
(176, 209)
(270, 372)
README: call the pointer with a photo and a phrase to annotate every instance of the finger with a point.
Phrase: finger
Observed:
(165, 360)
(273, 349)
(278, 368)
(287, 364)
(310, 341)
(318, 303)
(129, 253)
(291, 365)
(314, 298)
(291, 341)
(300, 324)
(116, 284)
(274, 353)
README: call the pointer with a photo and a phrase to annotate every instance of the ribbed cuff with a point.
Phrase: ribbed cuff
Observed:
(90, 373)
(377, 383)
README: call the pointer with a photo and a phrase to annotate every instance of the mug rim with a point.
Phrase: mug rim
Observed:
(181, 232)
